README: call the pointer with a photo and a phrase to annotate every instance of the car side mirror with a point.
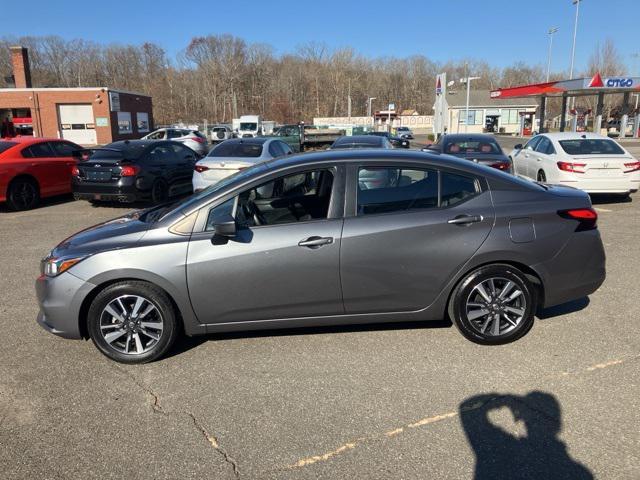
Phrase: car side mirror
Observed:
(518, 146)
(225, 226)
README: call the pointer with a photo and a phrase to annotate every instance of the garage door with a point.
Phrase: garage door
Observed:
(77, 123)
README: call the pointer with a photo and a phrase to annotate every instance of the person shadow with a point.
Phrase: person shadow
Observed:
(538, 454)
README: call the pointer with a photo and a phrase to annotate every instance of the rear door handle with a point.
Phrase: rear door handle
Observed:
(315, 242)
(465, 219)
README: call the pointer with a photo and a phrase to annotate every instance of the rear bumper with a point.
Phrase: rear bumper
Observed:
(124, 191)
(603, 185)
(60, 300)
(578, 269)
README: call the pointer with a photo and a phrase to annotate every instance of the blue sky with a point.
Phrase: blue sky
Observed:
(498, 31)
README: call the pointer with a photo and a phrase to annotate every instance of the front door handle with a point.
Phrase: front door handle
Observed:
(315, 242)
(465, 219)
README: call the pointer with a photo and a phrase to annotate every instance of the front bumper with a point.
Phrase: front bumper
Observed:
(60, 299)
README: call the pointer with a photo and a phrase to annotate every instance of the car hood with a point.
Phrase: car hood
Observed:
(121, 232)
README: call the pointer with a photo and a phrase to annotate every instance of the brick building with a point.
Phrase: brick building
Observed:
(87, 116)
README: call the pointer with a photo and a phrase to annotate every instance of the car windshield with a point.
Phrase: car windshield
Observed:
(6, 146)
(248, 126)
(461, 147)
(591, 146)
(237, 149)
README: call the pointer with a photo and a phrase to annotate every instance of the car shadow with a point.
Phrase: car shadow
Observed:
(186, 343)
(563, 309)
(603, 199)
(44, 202)
(500, 453)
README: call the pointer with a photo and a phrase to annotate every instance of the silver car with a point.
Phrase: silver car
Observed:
(233, 155)
(300, 241)
(193, 139)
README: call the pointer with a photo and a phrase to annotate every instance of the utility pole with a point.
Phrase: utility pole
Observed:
(573, 47)
(552, 30)
(349, 102)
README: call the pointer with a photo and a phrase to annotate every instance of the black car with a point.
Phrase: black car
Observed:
(360, 141)
(478, 147)
(395, 141)
(135, 170)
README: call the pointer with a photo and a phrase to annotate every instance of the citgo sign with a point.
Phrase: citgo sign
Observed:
(619, 82)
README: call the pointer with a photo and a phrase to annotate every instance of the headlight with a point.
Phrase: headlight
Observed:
(52, 266)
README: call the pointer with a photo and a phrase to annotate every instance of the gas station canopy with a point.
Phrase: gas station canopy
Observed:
(577, 87)
(572, 88)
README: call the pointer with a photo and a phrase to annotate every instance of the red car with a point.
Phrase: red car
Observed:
(33, 168)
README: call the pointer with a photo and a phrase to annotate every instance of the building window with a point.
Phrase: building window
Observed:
(124, 122)
(475, 117)
(142, 119)
(510, 116)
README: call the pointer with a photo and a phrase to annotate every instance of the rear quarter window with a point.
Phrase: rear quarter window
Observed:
(4, 146)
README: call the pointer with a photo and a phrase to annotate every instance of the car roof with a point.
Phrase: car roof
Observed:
(574, 135)
(28, 139)
(253, 140)
(468, 136)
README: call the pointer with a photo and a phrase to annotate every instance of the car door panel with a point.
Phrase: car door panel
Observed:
(263, 273)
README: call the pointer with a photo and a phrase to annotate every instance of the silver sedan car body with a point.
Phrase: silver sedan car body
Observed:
(193, 139)
(301, 241)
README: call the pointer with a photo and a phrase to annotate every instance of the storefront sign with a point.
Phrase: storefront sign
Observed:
(102, 122)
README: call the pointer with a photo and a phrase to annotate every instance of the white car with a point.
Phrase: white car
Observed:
(233, 155)
(588, 161)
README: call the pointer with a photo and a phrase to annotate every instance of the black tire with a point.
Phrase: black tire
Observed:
(542, 177)
(23, 194)
(159, 192)
(100, 321)
(466, 296)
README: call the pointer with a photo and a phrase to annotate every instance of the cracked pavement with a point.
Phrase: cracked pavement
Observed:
(391, 401)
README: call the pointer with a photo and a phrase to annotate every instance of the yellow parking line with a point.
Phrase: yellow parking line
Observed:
(598, 209)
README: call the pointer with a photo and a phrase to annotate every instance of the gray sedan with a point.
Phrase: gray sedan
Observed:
(307, 240)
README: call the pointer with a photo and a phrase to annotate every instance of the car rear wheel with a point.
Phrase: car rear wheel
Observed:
(493, 305)
(23, 194)
(542, 178)
(159, 192)
(132, 322)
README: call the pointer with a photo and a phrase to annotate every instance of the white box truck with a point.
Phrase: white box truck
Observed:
(249, 126)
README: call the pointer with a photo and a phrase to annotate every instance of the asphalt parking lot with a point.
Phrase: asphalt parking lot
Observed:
(391, 401)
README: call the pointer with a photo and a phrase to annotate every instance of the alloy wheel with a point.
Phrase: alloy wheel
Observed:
(495, 306)
(23, 195)
(131, 324)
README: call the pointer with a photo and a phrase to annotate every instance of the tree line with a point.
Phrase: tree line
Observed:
(218, 77)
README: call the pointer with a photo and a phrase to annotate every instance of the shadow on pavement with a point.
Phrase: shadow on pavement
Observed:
(537, 454)
(563, 309)
(603, 199)
(185, 343)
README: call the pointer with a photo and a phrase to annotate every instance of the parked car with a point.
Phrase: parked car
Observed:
(193, 139)
(231, 156)
(360, 141)
(34, 168)
(299, 242)
(588, 161)
(219, 133)
(404, 132)
(135, 170)
(477, 147)
(395, 141)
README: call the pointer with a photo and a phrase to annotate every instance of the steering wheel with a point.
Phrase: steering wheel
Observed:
(257, 215)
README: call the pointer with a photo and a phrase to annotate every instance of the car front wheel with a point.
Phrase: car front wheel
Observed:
(132, 322)
(493, 305)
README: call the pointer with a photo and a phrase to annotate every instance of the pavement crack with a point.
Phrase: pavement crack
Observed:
(213, 441)
(155, 398)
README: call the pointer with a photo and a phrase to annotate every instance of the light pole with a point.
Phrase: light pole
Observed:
(575, 32)
(468, 82)
(369, 101)
(552, 30)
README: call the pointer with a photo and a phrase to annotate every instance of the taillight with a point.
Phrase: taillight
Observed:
(504, 166)
(198, 139)
(632, 167)
(75, 171)
(572, 167)
(587, 218)
(129, 171)
(201, 168)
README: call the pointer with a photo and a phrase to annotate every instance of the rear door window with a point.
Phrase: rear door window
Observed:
(400, 189)
(39, 150)
(543, 145)
(531, 144)
(275, 150)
